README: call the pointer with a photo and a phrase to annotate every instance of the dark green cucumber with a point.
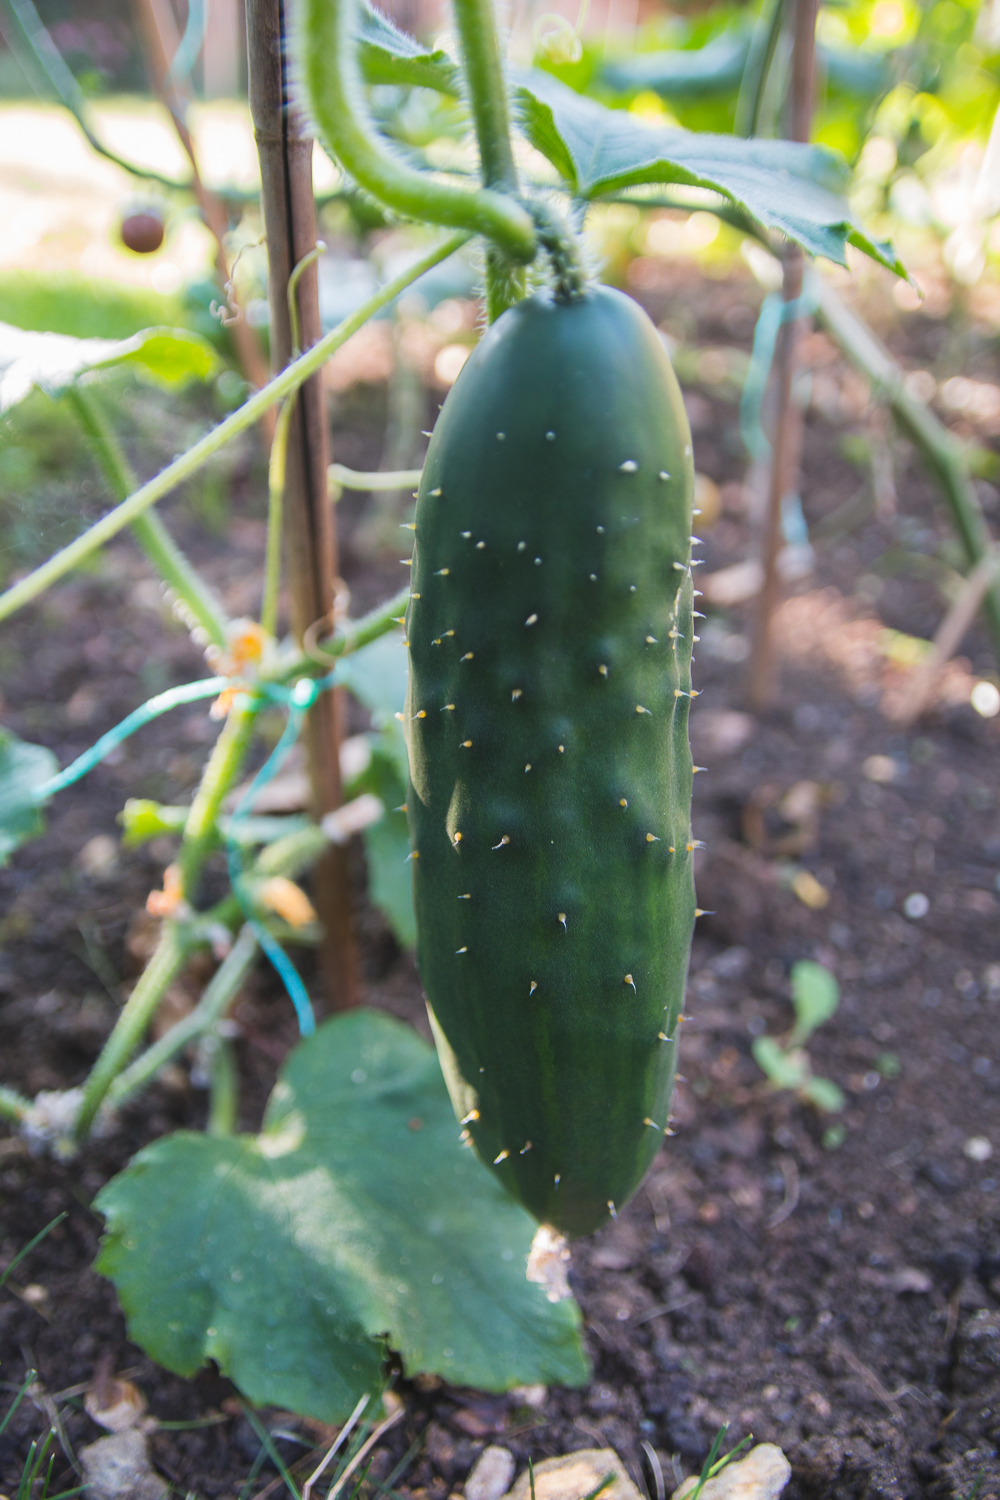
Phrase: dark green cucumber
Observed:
(550, 629)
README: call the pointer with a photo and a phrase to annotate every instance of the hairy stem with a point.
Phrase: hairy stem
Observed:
(149, 531)
(196, 457)
(353, 634)
(166, 963)
(139, 1009)
(224, 765)
(275, 517)
(215, 1001)
(505, 284)
(224, 1096)
(487, 91)
(750, 105)
(328, 65)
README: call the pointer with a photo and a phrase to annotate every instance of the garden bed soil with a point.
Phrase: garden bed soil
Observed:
(840, 1300)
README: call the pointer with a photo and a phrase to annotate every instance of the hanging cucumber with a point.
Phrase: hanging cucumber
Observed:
(550, 628)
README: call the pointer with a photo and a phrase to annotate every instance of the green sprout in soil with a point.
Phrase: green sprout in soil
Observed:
(815, 996)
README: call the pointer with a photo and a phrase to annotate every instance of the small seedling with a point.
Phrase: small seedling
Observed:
(815, 996)
(714, 1464)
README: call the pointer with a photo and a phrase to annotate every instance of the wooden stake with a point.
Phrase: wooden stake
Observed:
(289, 211)
(786, 454)
(159, 40)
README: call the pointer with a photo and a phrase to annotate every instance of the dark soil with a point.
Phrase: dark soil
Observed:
(842, 1300)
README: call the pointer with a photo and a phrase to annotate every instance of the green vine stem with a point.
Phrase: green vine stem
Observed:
(561, 244)
(328, 66)
(340, 478)
(351, 635)
(220, 772)
(224, 765)
(35, 49)
(290, 378)
(753, 88)
(276, 469)
(224, 1095)
(139, 1009)
(149, 531)
(215, 1001)
(487, 91)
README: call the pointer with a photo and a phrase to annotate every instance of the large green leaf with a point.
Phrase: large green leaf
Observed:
(167, 356)
(52, 361)
(683, 73)
(791, 188)
(717, 68)
(354, 1222)
(82, 306)
(388, 55)
(23, 767)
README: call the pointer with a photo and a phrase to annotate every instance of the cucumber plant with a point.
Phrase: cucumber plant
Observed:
(550, 622)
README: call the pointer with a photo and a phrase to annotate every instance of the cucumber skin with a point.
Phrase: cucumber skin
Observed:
(575, 900)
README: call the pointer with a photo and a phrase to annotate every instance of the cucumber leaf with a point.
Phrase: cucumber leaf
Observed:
(354, 1223)
(794, 189)
(683, 73)
(167, 356)
(23, 767)
(388, 55)
(52, 361)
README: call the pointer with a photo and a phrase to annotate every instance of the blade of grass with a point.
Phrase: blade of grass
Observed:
(18, 1399)
(271, 1450)
(609, 1478)
(406, 1460)
(706, 1468)
(255, 1469)
(28, 1249)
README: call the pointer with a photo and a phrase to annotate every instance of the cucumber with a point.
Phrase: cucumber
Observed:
(549, 633)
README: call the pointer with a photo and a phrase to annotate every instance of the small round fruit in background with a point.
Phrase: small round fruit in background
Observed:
(143, 232)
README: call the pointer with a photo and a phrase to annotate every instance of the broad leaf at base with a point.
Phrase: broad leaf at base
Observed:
(354, 1222)
(22, 768)
(787, 187)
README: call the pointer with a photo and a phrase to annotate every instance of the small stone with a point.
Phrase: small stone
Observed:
(115, 1405)
(118, 1468)
(577, 1475)
(762, 1475)
(491, 1474)
(99, 857)
(978, 1148)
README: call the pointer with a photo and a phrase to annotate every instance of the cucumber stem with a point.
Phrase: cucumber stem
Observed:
(561, 244)
(487, 90)
(212, 1006)
(140, 1007)
(224, 1096)
(327, 45)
